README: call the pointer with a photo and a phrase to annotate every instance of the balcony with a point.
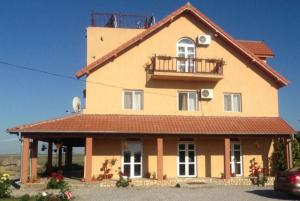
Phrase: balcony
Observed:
(180, 68)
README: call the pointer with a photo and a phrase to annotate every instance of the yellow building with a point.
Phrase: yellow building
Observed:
(179, 98)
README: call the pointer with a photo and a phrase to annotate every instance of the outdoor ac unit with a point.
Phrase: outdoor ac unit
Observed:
(204, 39)
(207, 93)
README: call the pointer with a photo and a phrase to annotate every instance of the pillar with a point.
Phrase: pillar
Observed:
(88, 159)
(50, 151)
(60, 157)
(25, 160)
(227, 158)
(160, 166)
(68, 157)
(287, 153)
(34, 155)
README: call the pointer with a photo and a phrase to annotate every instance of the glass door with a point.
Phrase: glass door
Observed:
(132, 159)
(236, 158)
(186, 55)
(186, 159)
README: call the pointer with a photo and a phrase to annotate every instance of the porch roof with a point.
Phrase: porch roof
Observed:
(158, 124)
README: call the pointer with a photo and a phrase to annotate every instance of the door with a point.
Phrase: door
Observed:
(236, 158)
(132, 159)
(186, 51)
(186, 159)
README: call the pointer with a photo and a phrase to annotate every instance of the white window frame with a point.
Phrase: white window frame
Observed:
(133, 99)
(232, 106)
(185, 46)
(232, 157)
(132, 163)
(188, 103)
(186, 159)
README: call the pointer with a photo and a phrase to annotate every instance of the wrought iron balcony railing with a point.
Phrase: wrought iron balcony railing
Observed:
(186, 65)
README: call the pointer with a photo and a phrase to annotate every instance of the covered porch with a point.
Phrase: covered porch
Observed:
(157, 147)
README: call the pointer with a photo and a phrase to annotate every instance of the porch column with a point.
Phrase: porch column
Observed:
(25, 160)
(68, 157)
(50, 151)
(287, 153)
(88, 159)
(34, 155)
(227, 158)
(160, 148)
(60, 157)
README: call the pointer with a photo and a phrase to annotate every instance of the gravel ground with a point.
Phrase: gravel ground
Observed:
(203, 193)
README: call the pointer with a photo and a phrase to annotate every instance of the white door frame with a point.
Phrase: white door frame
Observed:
(132, 163)
(187, 163)
(232, 163)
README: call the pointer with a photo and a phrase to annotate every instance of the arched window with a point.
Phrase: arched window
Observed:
(186, 52)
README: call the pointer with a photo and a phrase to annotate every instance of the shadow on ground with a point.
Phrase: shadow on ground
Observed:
(271, 194)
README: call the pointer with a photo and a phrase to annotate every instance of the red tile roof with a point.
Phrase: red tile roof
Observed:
(259, 48)
(162, 124)
(187, 8)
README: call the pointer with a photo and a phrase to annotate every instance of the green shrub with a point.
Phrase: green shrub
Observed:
(25, 197)
(57, 182)
(122, 182)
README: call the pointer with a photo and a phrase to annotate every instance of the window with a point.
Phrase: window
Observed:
(232, 102)
(187, 101)
(186, 50)
(133, 100)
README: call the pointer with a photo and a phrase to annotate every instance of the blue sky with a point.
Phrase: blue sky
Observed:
(50, 35)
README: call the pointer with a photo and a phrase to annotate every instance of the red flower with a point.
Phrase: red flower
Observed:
(58, 177)
(68, 195)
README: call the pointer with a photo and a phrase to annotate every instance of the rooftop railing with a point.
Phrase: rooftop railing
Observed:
(120, 20)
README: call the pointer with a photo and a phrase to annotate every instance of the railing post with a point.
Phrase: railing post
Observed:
(154, 62)
(93, 23)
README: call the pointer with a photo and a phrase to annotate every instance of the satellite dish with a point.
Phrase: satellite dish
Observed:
(76, 104)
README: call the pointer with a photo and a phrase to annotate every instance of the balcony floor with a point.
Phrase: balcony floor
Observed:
(161, 75)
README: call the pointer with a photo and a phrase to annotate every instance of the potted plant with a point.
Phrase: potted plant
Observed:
(148, 175)
(153, 176)
(222, 175)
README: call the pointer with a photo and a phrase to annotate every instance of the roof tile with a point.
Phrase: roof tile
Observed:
(164, 124)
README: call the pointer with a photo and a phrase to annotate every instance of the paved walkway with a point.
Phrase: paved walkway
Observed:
(204, 193)
(185, 193)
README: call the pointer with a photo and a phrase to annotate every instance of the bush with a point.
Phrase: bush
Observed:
(57, 182)
(4, 186)
(278, 155)
(122, 182)
(25, 197)
(257, 173)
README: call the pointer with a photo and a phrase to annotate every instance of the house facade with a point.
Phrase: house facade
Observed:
(181, 98)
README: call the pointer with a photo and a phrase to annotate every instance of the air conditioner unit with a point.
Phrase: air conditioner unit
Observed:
(207, 93)
(203, 39)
